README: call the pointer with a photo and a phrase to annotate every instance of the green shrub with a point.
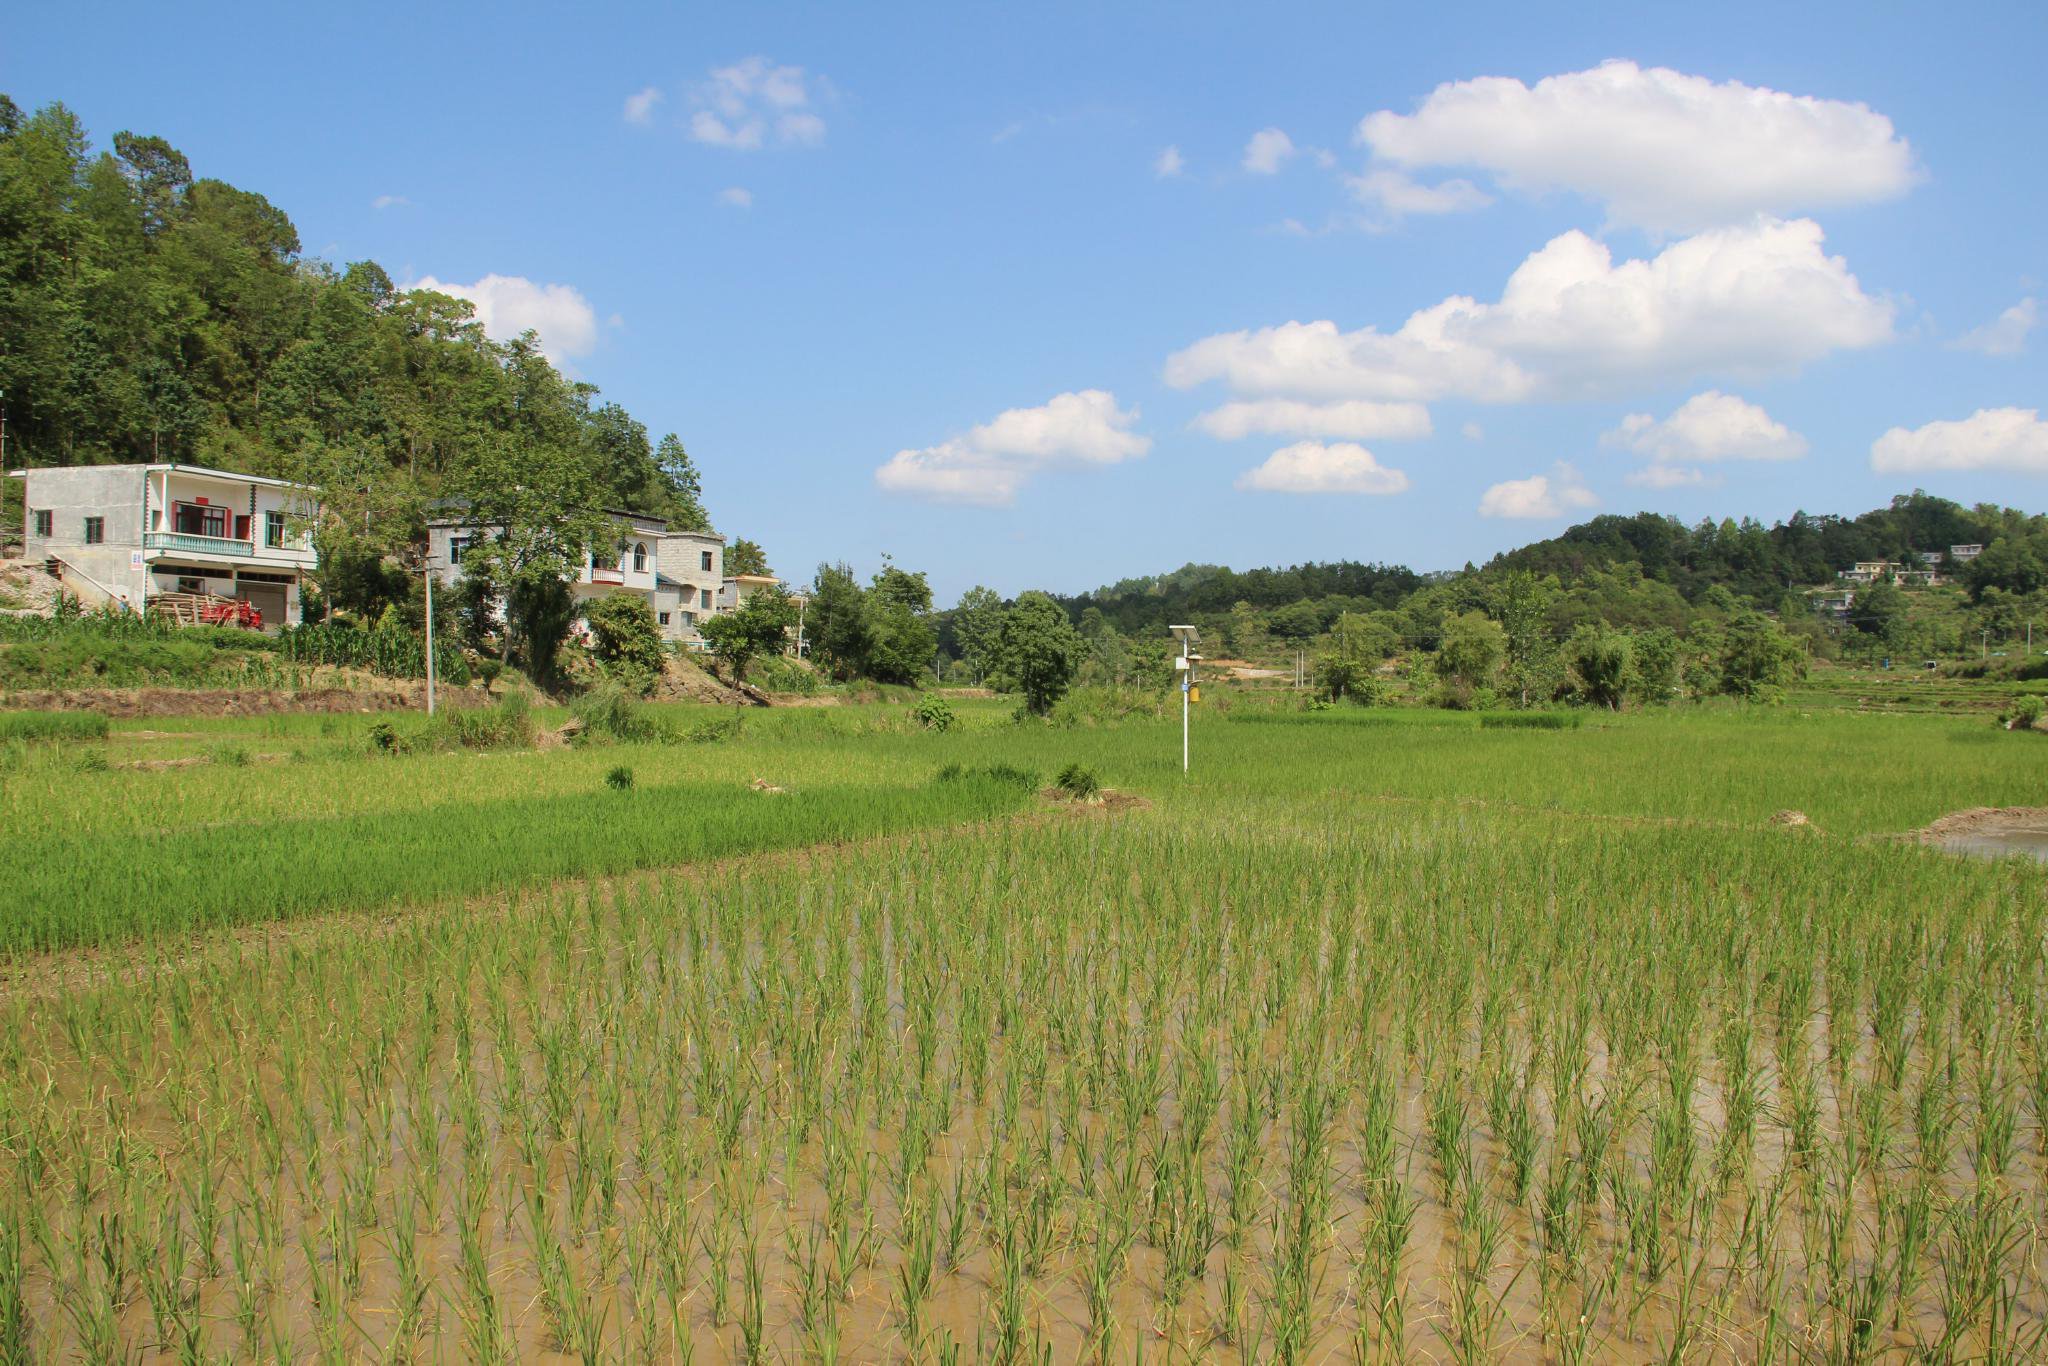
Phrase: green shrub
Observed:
(1077, 782)
(779, 673)
(1006, 775)
(228, 755)
(508, 725)
(716, 729)
(609, 712)
(933, 714)
(52, 725)
(619, 779)
(625, 640)
(2025, 712)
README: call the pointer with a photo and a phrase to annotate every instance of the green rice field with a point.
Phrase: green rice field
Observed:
(1380, 1036)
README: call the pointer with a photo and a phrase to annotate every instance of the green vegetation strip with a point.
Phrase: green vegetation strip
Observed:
(87, 891)
(52, 725)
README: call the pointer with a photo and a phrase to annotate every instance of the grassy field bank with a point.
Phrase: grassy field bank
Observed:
(1372, 1039)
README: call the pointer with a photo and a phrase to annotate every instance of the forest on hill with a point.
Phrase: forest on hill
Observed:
(1639, 582)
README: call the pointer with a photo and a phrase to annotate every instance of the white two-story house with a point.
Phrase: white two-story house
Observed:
(122, 534)
(630, 565)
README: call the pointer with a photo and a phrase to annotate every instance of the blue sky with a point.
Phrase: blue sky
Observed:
(926, 281)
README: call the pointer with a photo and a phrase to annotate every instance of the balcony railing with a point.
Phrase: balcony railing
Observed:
(196, 545)
(607, 576)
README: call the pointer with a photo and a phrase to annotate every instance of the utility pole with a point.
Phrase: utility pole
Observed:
(1185, 666)
(430, 634)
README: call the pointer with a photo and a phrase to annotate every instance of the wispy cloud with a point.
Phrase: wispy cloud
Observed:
(640, 105)
(2004, 335)
(755, 103)
(1268, 150)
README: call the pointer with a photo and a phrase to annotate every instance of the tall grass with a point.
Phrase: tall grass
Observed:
(49, 725)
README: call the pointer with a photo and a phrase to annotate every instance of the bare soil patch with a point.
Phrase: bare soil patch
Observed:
(683, 681)
(1987, 820)
(1105, 801)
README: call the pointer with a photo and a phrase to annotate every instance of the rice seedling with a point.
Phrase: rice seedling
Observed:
(1432, 1042)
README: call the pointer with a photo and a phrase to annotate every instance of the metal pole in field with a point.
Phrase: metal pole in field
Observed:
(430, 639)
(1185, 666)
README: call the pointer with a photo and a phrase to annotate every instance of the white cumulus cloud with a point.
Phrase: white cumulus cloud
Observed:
(1539, 497)
(1169, 164)
(1355, 419)
(1573, 322)
(993, 460)
(1268, 151)
(1313, 467)
(1706, 428)
(2008, 439)
(640, 104)
(2004, 335)
(1660, 148)
(753, 103)
(508, 305)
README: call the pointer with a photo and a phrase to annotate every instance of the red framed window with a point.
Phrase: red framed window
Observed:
(197, 519)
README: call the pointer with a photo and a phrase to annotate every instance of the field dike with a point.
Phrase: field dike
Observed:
(134, 702)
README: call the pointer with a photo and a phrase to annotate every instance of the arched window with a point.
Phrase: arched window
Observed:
(639, 557)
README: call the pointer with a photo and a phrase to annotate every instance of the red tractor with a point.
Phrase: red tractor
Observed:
(232, 613)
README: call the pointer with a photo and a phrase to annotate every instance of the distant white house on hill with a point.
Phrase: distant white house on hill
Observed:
(678, 574)
(124, 534)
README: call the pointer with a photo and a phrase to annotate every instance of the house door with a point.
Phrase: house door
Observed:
(267, 598)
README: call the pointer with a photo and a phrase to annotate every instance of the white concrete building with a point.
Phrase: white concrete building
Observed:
(634, 566)
(686, 588)
(122, 534)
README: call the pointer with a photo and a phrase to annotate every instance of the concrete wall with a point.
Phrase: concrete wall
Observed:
(682, 559)
(110, 492)
(439, 538)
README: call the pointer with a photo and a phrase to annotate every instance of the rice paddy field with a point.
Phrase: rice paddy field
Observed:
(1379, 1037)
